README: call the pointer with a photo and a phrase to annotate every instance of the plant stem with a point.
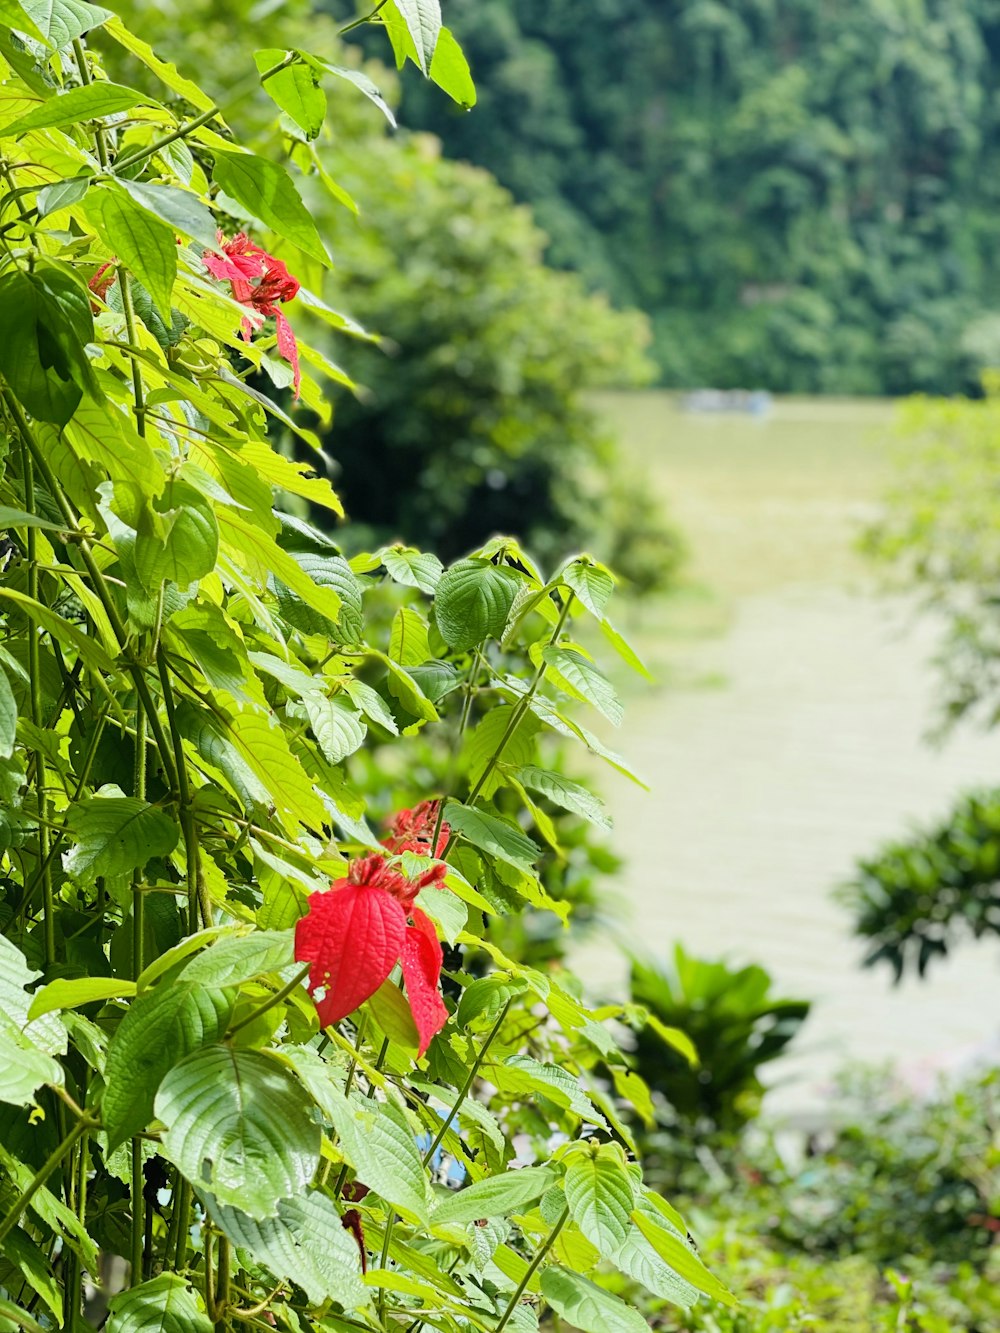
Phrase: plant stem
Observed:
(183, 1207)
(192, 848)
(519, 710)
(222, 1285)
(85, 78)
(85, 1123)
(271, 1001)
(128, 310)
(530, 1271)
(466, 1086)
(138, 1231)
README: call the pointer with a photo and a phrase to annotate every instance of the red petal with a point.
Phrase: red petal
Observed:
(353, 937)
(287, 347)
(421, 957)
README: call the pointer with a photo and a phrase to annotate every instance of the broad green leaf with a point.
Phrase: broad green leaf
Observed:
(371, 704)
(45, 323)
(141, 241)
(164, 71)
(423, 19)
(446, 909)
(295, 89)
(8, 717)
(571, 672)
(177, 538)
(565, 793)
(305, 1243)
(239, 1126)
(23, 1067)
(17, 518)
(483, 999)
(358, 78)
(637, 1259)
(34, 1266)
(70, 993)
(59, 21)
(675, 1038)
(47, 1032)
(165, 1304)
(15, 16)
(450, 70)
(679, 1256)
(586, 1306)
(492, 835)
(116, 834)
(265, 189)
(592, 583)
(184, 949)
(330, 573)
(624, 649)
(60, 194)
(404, 688)
(235, 961)
(214, 741)
(88, 102)
(520, 1073)
(601, 1197)
(412, 568)
(337, 726)
(162, 1026)
(377, 1141)
(177, 208)
(498, 1196)
(473, 601)
(408, 638)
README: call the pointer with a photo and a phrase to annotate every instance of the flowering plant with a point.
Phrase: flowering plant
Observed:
(189, 669)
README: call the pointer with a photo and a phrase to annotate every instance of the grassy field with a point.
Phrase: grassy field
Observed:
(762, 502)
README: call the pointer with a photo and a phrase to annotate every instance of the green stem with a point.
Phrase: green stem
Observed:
(197, 896)
(138, 1232)
(182, 131)
(271, 1001)
(85, 78)
(530, 1271)
(35, 678)
(183, 1208)
(222, 1285)
(359, 23)
(519, 710)
(85, 1123)
(466, 1086)
(138, 394)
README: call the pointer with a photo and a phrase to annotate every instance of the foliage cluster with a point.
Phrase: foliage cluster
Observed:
(187, 678)
(470, 418)
(802, 195)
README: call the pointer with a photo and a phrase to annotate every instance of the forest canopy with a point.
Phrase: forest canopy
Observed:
(802, 195)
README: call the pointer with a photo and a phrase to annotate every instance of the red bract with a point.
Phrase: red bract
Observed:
(412, 831)
(260, 281)
(354, 935)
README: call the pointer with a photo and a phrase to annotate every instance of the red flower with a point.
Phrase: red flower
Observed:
(412, 830)
(260, 281)
(356, 932)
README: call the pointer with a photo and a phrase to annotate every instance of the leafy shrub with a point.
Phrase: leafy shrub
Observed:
(230, 1052)
(736, 1026)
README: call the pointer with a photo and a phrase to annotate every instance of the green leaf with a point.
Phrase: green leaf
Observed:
(59, 21)
(141, 241)
(295, 90)
(473, 601)
(586, 1306)
(371, 704)
(391, 1011)
(359, 79)
(483, 741)
(522, 1074)
(679, 1256)
(404, 688)
(498, 1196)
(571, 672)
(23, 1067)
(306, 1244)
(70, 993)
(377, 1141)
(164, 71)
(60, 194)
(412, 568)
(177, 208)
(239, 1125)
(338, 727)
(564, 793)
(423, 20)
(592, 583)
(675, 1038)
(601, 1197)
(408, 643)
(637, 1259)
(8, 717)
(177, 538)
(14, 16)
(165, 1304)
(265, 189)
(162, 1026)
(450, 70)
(116, 834)
(328, 572)
(492, 835)
(89, 102)
(45, 323)
(624, 649)
(233, 962)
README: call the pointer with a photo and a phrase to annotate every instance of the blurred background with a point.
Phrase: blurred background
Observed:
(711, 288)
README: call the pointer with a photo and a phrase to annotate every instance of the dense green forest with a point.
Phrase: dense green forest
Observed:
(803, 195)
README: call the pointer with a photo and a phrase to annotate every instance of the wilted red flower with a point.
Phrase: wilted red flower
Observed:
(356, 932)
(412, 831)
(102, 280)
(260, 281)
